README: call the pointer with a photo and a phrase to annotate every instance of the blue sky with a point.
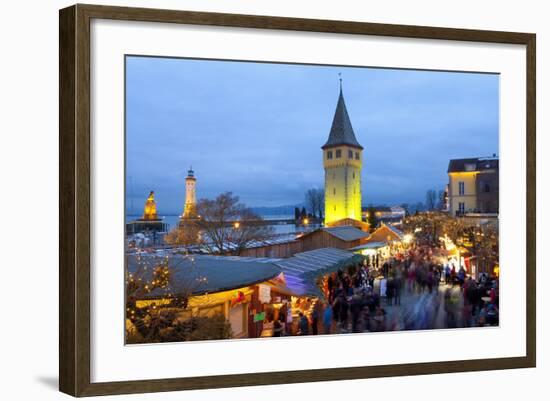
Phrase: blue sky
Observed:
(256, 129)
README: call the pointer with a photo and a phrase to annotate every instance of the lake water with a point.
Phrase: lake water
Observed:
(172, 221)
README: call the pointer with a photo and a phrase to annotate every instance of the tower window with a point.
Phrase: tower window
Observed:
(356, 155)
(350, 154)
(329, 154)
(461, 188)
(338, 153)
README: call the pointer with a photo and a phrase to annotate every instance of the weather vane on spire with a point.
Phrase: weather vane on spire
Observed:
(340, 78)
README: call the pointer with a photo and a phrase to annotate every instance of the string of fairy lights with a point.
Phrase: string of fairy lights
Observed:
(154, 273)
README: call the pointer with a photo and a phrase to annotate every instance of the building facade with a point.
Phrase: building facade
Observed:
(342, 161)
(473, 186)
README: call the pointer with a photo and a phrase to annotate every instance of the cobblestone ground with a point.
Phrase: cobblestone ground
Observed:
(425, 310)
(418, 310)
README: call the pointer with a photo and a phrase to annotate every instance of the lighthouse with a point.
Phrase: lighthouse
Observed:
(190, 208)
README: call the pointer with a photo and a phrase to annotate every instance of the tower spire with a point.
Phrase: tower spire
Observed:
(341, 131)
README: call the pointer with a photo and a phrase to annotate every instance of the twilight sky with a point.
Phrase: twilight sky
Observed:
(257, 129)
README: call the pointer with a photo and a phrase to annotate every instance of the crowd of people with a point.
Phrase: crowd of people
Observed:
(410, 291)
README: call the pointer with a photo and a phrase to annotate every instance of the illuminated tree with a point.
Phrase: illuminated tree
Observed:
(485, 245)
(156, 274)
(184, 234)
(154, 302)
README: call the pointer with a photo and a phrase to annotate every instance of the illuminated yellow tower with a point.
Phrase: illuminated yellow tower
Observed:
(342, 160)
(190, 208)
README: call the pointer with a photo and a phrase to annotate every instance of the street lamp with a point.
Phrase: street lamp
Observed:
(236, 224)
(306, 221)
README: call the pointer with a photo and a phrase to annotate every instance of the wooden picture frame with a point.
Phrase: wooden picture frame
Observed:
(74, 204)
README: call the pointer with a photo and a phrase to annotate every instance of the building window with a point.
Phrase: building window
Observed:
(338, 153)
(329, 154)
(486, 187)
(461, 207)
(334, 191)
(354, 175)
(350, 154)
(356, 155)
(461, 188)
(334, 207)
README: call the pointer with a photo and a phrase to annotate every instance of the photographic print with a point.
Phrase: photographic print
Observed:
(271, 199)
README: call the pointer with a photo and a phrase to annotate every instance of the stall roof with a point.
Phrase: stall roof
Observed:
(229, 272)
(204, 273)
(382, 233)
(346, 233)
(300, 265)
(370, 245)
(396, 230)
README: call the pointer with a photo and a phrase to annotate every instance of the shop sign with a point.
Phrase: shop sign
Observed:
(258, 317)
(264, 293)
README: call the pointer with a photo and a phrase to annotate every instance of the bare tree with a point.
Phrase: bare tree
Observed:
(315, 201)
(229, 226)
(311, 200)
(431, 199)
(320, 195)
(225, 226)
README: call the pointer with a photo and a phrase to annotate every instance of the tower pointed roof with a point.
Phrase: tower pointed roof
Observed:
(341, 132)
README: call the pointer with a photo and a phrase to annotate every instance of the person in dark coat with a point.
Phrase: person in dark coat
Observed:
(389, 291)
(278, 328)
(330, 288)
(356, 308)
(303, 325)
(397, 283)
(316, 317)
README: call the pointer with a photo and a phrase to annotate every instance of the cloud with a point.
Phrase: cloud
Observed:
(256, 129)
